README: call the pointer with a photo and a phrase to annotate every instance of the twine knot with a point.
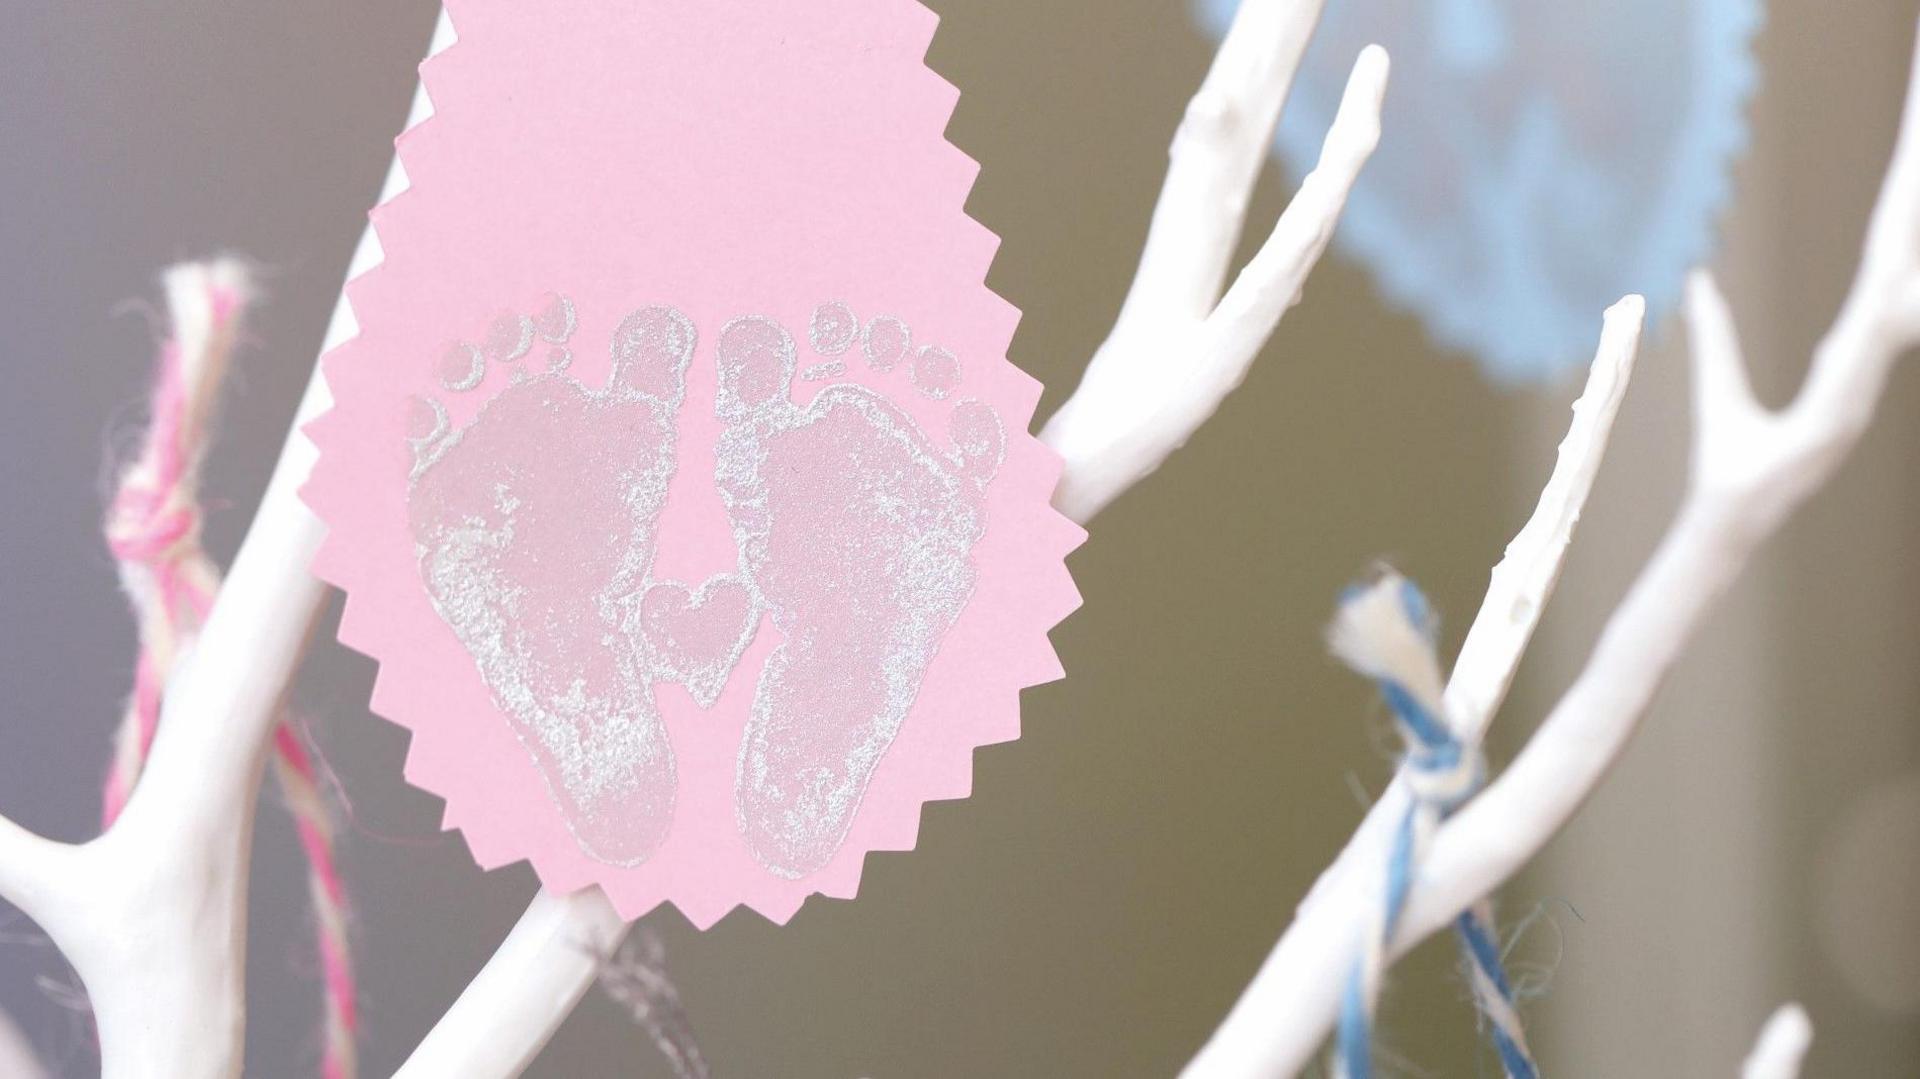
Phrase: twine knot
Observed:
(1384, 629)
(152, 525)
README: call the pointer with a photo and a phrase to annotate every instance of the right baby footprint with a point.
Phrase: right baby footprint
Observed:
(856, 533)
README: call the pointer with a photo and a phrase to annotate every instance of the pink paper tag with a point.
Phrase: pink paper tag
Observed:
(677, 477)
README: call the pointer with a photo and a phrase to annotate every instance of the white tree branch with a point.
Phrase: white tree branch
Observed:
(223, 703)
(1168, 410)
(152, 915)
(17, 1058)
(1783, 1043)
(1178, 347)
(1302, 977)
(34, 871)
(525, 992)
(1751, 468)
(1526, 574)
(1215, 156)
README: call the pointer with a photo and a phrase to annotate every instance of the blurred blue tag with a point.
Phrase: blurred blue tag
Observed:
(1538, 159)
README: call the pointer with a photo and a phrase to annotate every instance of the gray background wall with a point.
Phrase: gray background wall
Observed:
(1121, 869)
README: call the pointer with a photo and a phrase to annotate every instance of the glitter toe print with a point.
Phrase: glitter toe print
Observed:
(676, 476)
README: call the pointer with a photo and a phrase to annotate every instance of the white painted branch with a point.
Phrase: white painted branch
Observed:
(17, 1058)
(525, 992)
(1782, 1045)
(1215, 157)
(1303, 975)
(152, 915)
(1271, 282)
(1526, 574)
(1178, 347)
(1751, 468)
(32, 869)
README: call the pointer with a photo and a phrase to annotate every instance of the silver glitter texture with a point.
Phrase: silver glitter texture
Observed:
(886, 341)
(833, 329)
(535, 526)
(461, 367)
(508, 338)
(856, 534)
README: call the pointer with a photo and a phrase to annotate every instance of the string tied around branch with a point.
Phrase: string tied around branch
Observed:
(152, 528)
(1384, 629)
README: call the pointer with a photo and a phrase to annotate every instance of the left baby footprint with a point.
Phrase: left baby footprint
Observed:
(535, 529)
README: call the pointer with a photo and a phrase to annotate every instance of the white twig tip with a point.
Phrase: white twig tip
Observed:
(1782, 1045)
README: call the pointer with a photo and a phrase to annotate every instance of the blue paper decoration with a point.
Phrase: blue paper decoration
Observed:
(1539, 158)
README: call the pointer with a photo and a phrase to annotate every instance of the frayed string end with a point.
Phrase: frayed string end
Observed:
(1385, 629)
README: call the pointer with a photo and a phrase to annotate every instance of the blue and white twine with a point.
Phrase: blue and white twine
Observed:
(1385, 630)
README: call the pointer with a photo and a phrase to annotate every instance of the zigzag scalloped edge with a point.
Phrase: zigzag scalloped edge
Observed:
(1725, 137)
(1408, 288)
(359, 631)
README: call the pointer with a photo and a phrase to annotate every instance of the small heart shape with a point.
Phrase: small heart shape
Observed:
(696, 637)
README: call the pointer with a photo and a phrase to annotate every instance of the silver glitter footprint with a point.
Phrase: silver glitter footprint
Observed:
(535, 527)
(856, 534)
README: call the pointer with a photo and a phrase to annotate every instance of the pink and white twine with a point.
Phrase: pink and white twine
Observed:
(153, 531)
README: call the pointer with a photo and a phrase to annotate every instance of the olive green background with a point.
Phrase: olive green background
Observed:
(1121, 870)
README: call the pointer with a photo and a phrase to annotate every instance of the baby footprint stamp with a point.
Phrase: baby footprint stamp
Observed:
(676, 477)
